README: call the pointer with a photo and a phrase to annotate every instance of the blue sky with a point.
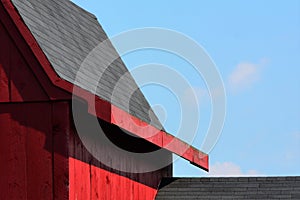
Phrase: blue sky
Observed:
(256, 48)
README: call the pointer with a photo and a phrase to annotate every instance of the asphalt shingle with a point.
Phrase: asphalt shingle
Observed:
(67, 34)
(230, 188)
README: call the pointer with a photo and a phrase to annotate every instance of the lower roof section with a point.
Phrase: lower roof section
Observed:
(230, 188)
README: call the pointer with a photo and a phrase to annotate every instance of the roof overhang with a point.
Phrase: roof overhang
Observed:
(104, 109)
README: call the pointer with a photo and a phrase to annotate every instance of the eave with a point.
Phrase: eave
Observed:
(104, 109)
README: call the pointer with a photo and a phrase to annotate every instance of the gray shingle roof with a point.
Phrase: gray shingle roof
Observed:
(230, 188)
(66, 33)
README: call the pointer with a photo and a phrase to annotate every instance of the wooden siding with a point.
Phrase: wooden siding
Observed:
(17, 82)
(90, 178)
(37, 165)
(26, 143)
(59, 89)
(16, 53)
(41, 154)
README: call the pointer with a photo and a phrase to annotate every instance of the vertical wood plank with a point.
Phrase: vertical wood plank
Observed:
(71, 150)
(16, 74)
(4, 63)
(32, 54)
(12, 154)
(81, 179)
(23, 84)
(109, 185)
(4, 84)
(60, 129)
(38, 150)
(79, 169)
(96, 189)
(101, 185)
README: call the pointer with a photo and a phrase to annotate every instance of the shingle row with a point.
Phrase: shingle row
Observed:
(230, 188)
(67, 34)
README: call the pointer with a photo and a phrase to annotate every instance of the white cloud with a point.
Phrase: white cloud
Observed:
(245, 75)
(229, 169)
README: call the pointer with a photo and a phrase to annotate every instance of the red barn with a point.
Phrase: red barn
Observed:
(43, 44)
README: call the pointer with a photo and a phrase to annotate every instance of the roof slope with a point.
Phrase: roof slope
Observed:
(230, 188)
(67, 34)
(60, 36)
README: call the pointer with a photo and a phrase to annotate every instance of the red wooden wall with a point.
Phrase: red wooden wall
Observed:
(43, 158)
(93, 179)
(41, 155)
(30, 166)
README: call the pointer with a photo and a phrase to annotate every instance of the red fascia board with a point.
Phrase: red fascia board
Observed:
(105, 110)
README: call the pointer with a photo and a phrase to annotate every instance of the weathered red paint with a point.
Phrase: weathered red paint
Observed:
(102, 184)
(106, 182)
(52, 91)
(18, 83)
(13, 181)
(158, 137)
(28, 164)
(61, 129)
(96, 104)
(41, 154)
(4, 81)
(118, 187)
(37, 165)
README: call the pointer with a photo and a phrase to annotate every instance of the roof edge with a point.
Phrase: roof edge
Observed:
(105, 110)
